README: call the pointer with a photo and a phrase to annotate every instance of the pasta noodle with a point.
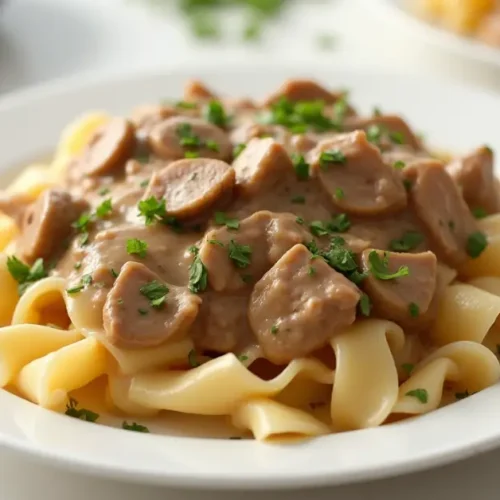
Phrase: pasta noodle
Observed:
(148, 304)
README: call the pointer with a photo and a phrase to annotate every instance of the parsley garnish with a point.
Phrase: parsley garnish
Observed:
(212, 145)
(240, 254)
(299, 199)
(420, 394)
(186, 105)
(152, 210)
(397, 137)
(407, 183)
(335, 156)
(134, 426)
(223, 220)
(103, 191)
(299, 220)
(216, 242)
(399, 164)
(409, 241)
(274, 329)
(479, 213)
(413, 309)
(104, 209)
(72, 410)
(365, 305)
(214, 113)
(78, 265)
(82, 223)
(339, 193)
(137, 247)
(187, 138)
(192, 359)
(318, 228)
(243, 357)
(408, 368)
(339, 224)
(379, 267)
(85, 281)
(311, 271)
(191, 154)
(374, 134)
(23, 274)
(198, 275)
(476, 244)
(301, 167)
(155, 292)
(113, 273)
(238, 149)
(142, 311)
(144, 183)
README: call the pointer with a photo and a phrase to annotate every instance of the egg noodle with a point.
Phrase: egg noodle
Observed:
(50, 347)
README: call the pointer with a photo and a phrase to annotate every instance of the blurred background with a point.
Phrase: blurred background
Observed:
(41, 40)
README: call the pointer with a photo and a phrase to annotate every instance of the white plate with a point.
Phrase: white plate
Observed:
(461, 45)
(450, 115)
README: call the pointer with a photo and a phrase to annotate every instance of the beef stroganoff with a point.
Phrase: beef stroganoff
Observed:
(291, 264)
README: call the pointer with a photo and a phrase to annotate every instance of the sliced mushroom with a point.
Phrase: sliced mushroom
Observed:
(302, 90)
(110, 147)
(194, 90)
(47, 223)
(409, 300)
(354, 175)
(260, 166)
(176, 136)
(135, 314)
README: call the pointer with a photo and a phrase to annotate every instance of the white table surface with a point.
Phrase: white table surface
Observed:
(45, 39)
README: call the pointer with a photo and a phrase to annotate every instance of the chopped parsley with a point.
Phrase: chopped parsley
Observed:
(187, 138)
(191, 154)
(72, 410)
(243, 357)
(192, 359)
(379, 267)
(413, 309)
(152, 210)
(24, 274)
(397, 137)
(155, 292)
(134, 426)
(319, 228)
(85, 280)
(214, 113)
(339, 194)
(77, 266)
(104, 209)
(479, 213)
(408, 368)
(274, 329)
(216, 242)
(421, 394)
(240, 254)
(103, 191)
(399, 164)
(409, 241)
(186, 105)
(335, 156)
(407, 183)
(198, 275)
(137, 247)
(311, 271)
(113, 273)
(238, 149)
(301, 167)
(223, 220)
(365, 305)
(374, 134)
(212, 145)
(299, 199)
(82, 223)
(476, 244)
(299, 220)
(142, 311)
(340, 223)
(144, 183)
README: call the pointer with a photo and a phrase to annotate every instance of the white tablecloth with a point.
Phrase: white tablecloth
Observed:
(45, 39)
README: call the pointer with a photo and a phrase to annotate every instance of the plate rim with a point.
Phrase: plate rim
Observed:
(193, 480)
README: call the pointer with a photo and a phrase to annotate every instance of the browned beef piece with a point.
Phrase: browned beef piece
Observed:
(299, 304)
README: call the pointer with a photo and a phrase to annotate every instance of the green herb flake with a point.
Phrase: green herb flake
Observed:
(407, 183)
(193, 359)
(379, 267)
(301, 167)
(142, 311)
(409, 241)
(311, 271)
(187, 138)
(374, 134)
(186, 105)
(113, 273)
(339, 224)
(476, 244)
(238, 149)
(104, 209)
(318, 228)
(421, 394)
(365, 305)
(408, 368)
(298, 199)
(72, 410)
(77, 266)
(216, 242)
(397, 137)
(339, 194)
(214, 113)
(399, 165)
(24, 274)
(413, 309)
(274, 329)
(299, 220)
(198, 275)
(191, 154)
(85, 280)
(155, 292)
(82, 223)
(243, 357)
(212, 145)
(152, 209)
(479, 213)
(335, 156)
(103, 191)
(222, 219)
(134, 426)
(240, 254)
(137, 247)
